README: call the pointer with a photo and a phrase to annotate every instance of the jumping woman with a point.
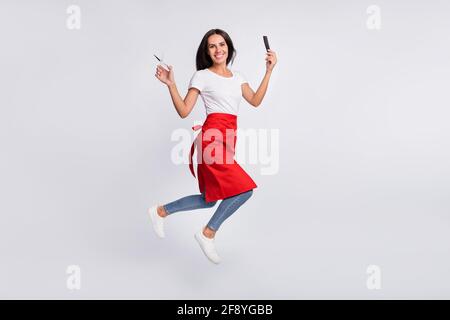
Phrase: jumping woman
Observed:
(221, 90)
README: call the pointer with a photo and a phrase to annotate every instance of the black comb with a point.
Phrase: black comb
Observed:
(266, 43)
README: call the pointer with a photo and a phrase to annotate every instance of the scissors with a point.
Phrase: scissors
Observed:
(161, 62)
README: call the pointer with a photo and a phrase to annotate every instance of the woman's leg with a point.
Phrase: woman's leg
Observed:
(186, 203)
(226, 208)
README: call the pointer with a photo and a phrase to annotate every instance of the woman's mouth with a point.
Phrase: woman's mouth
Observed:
(219, 56)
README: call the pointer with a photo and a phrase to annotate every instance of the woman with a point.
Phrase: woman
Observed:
(221, 90)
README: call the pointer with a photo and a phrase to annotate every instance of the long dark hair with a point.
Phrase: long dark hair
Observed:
(203, 60)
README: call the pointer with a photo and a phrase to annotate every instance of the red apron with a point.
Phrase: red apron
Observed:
(218, 172)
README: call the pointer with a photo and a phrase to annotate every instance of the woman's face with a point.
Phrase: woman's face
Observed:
(217, 49)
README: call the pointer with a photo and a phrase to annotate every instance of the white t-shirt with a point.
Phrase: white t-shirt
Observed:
(220, 94)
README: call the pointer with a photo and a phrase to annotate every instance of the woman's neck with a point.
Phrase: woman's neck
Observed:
(220, 69)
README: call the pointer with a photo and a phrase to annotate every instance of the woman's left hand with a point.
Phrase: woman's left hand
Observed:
(271, 60)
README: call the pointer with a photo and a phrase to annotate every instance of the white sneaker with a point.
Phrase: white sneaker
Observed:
(157, 221)
(207, 246)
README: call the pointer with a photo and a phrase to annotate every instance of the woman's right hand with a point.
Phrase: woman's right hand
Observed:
(165, 76)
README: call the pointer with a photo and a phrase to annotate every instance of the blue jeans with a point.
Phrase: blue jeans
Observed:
(226, 208)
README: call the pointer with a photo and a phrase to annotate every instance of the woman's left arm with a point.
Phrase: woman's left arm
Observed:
(255, 98)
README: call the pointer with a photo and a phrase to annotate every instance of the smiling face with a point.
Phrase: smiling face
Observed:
(217, 49)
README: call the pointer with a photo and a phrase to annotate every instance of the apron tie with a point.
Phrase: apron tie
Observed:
(191, 166)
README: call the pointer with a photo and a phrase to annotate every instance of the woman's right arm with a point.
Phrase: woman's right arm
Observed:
(183, 106)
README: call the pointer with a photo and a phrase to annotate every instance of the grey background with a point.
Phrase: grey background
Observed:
(364, 150)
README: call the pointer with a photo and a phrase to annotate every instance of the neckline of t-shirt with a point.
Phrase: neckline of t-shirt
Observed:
(222, 76)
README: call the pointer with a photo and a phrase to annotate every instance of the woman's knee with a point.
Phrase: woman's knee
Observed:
(248, 194)
(208, 204)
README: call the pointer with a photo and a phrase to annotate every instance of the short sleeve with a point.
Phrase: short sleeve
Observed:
(239, 76)
(196, 81)
(243, 78)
